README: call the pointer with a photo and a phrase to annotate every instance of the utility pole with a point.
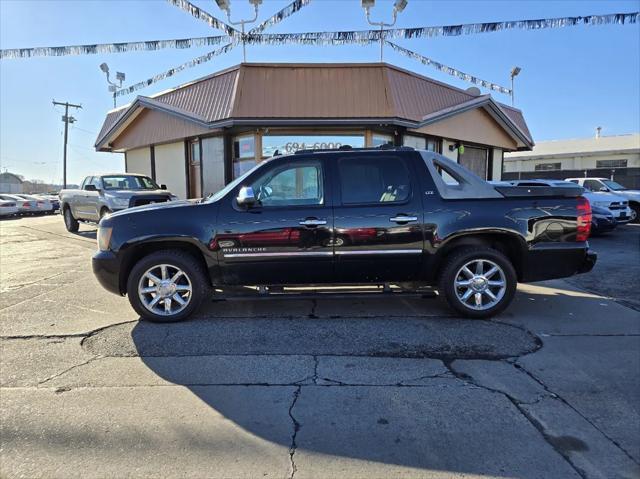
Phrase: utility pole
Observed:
(66, 119)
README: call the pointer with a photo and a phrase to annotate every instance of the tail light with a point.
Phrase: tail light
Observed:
(584, 219)
(40, 203)
(26, 204)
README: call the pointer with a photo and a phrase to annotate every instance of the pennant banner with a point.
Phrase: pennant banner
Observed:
(287, 11)
(273, 20)
(110, 47)
(173, 71)
(473, 28)
(448, 70)
(196, 12)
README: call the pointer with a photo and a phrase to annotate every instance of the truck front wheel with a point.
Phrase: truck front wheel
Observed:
(478, 283)
(70, 222)
(167, 286)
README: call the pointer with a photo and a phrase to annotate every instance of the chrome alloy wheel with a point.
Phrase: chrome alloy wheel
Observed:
(480, 284)
(165, 290)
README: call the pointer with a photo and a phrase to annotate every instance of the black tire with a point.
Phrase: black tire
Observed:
(453, 265)
(103, 212)
(70, 222)
(192, 268)
(635, 208)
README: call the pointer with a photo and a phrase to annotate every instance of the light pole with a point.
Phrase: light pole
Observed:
(515, 71)
(398, 6)
(225, 6)
(113, 87)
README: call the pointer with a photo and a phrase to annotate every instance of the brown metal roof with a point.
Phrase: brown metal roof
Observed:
(343, 91)
(210, 98)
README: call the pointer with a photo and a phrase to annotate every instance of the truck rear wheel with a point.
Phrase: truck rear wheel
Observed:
(167, 286)
(70, 222)
(478, 283)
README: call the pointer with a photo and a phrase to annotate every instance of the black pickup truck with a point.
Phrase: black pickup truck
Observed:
(370, 216)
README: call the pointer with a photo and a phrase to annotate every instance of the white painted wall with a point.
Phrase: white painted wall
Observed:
(452, 155)
(170, 168)
(139, 161)
(212, 164)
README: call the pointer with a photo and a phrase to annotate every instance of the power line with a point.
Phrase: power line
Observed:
(66, 119)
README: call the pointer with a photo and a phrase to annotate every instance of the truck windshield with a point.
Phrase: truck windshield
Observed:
(129, 182)
(612, 185)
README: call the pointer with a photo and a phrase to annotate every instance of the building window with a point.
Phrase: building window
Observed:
(281, 144)
(244, 154)
(195, 184)
(421, 143)
(475, 159)
(611, 163)
(379, 140)
(548, 166)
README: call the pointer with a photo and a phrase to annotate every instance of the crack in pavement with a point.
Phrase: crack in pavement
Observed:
(296, 428)
(71, 368)
(518, 405)
(569, 405)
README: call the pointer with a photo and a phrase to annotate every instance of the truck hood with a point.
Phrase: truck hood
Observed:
(154, 206)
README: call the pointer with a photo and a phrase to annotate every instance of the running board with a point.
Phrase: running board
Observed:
(315, 292)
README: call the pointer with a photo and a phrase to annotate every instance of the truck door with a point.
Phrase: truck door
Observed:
(377, 218)
(286, 236)
(91, 199)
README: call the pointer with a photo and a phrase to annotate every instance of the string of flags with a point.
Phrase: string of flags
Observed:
(232, 37)
(111, 47)
(273, 20)
(448, 70)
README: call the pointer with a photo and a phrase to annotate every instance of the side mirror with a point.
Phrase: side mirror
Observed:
(163, 187)
(604, 188)
(246, 197)
(90, 188)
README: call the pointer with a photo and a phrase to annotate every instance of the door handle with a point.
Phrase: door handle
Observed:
(311, 222)
(403, 219)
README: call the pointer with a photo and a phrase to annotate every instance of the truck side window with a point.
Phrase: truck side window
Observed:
(379, 179)
(87, 181)
(291, 185)
(592, 185)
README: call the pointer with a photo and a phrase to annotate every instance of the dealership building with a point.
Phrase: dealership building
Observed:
(199, 136)
(616, 157)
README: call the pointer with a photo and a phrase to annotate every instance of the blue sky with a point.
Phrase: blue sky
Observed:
(572, 80)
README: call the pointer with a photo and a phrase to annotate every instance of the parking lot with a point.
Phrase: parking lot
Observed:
(346, 387)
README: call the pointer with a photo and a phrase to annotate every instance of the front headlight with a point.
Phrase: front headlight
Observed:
(120, 202)
(601, 204)
(104, 238)
(173, 198)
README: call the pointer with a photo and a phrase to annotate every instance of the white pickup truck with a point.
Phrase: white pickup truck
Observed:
(100, 195)
(604, 185)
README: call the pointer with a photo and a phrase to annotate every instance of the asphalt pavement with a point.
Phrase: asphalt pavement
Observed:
(348, 387)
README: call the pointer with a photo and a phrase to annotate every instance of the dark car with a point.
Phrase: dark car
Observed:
(602, 220)
(370, 216)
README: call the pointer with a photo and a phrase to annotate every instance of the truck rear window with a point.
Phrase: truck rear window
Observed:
(128, 182)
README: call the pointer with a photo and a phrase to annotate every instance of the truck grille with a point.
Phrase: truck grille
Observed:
(616, 205)
(147, 200)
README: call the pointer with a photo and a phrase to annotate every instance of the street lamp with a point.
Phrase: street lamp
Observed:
(225, 6)
(398, 6)
(113, 87)
(515, 71)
